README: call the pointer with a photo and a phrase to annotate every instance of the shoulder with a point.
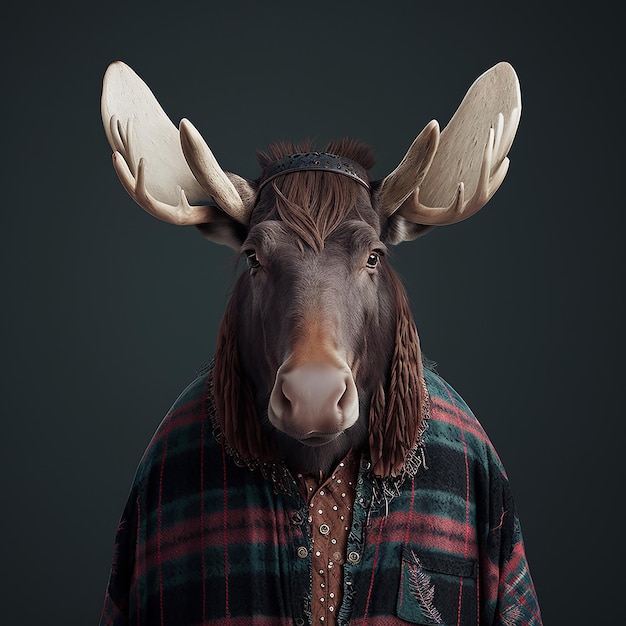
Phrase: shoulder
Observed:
(188, 413)
(182, 433)
(452, 424)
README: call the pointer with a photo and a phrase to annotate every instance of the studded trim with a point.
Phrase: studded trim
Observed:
(276, 471)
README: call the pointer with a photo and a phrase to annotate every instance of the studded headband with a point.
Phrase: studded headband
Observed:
(316, 161)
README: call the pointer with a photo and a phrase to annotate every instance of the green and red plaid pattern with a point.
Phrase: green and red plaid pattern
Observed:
(204, 540)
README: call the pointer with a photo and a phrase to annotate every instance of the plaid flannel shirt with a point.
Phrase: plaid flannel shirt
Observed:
(207, 540)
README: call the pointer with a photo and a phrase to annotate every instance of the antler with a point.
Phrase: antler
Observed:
(221, 185)
(408, 176)
(466, 164)
(133, 179)
(492, 172)
(150, 163)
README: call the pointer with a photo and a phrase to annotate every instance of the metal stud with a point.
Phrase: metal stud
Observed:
(354, 557)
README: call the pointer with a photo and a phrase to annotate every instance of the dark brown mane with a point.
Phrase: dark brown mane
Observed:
(314, 203)
(357, 151)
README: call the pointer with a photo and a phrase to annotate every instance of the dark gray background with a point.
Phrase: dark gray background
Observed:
(108, 312)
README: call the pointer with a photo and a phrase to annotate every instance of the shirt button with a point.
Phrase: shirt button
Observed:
(303, 552)
(324, 529)
(354, 557)
(299, 621)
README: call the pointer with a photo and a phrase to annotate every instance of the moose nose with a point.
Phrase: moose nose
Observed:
(314, 402)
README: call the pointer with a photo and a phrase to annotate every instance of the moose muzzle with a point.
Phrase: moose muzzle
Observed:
(313, 402)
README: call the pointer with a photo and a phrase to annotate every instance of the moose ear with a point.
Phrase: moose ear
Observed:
(447, 177)
(398, 229)
(171, 174)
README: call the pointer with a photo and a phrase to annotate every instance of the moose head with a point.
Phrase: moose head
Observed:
(317, 352)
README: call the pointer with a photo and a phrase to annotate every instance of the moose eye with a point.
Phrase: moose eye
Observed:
(372, 260)
(252, 260)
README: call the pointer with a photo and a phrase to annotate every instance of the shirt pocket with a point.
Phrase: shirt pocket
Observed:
(437, 589)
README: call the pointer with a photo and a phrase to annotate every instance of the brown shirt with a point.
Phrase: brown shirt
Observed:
(330, 505)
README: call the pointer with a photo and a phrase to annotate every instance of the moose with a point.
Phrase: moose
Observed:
(318, 470)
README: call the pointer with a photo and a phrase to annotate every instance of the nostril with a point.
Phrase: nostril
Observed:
(283, 401)
(348, 402)
(341, 403)
(280, 403)
(287, 389)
